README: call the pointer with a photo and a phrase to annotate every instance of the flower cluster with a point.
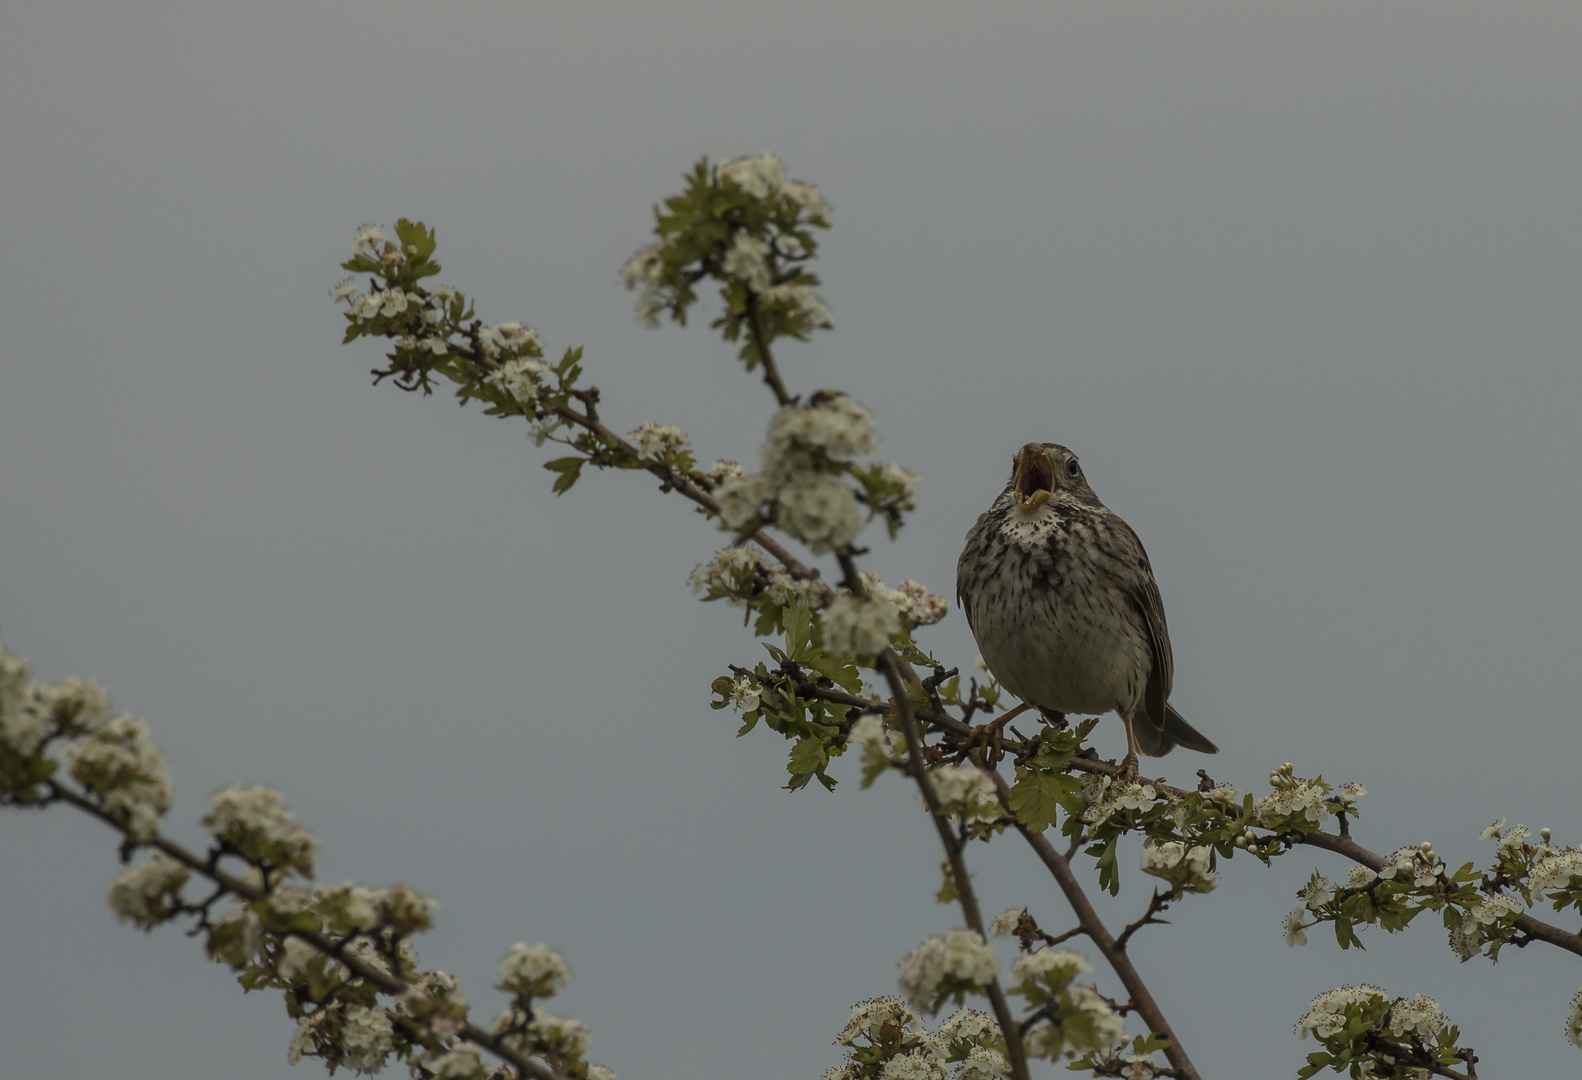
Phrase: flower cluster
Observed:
(523, 379)
(1296, 803)
(1419, 864)
(885, 1040)
(1103, 797)
(913, 602)
(535, 971)
(1189, 869)
(1079, 1020)
(659, 441)
(1365, 1032)
(966, 794)
(254, 822)
(149, 893)
(805, 444)
(120, 765)
(860, 627)
(744, 224)
(1004, 925)
(947, 968)
(1330, 1011)
(744, 576)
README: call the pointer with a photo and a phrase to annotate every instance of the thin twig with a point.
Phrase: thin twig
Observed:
(1160, 901)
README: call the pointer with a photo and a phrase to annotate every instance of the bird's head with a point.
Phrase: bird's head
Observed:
(1041, 471)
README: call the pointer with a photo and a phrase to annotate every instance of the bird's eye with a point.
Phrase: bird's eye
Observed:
(1071, 468)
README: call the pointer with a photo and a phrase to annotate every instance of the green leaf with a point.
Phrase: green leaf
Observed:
(1035, 797)
(799, 631)
(807, 755)
(569, 469)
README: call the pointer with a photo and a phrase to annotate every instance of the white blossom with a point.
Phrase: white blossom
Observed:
(966, 793)
(745, 694)
(1295, 929)
(1180, 865)
(859, 627)
(1418, 1018)
(522, 378)
(811, 200)
(917, 606)
(972, 1027)
(142, 894)
(1492, 832)
(722, 470)
(1086, 1023)
(255, 820)
(921, 1062)
(354, 905)
(367, 305)
(1317, 892)
(658, 440)
(869, 1018)
(958, 957)
(1104, 797)
(1300, 799)
(295, 956)
(121, 765)
(740, 499)
(1359, 877)
(366, 1038)
(831, 424)
(394, 302)
(1137, 1068)
(1400, 861)
(1350, 792)
(748, 262)
(1003, 925)
(533, 970)
(982, 1063)
(820, 511)
(569, 1036)
(758, 176)
(1513, 842)
(1574, 1021)
(436, 345)
(509, 337)
(1327, 1014)
(461, 1063)
(369, 237)
(743, 571)
(1050, 966)
(345, 290)
(1560, 871)
(646, 268)
(804, 305)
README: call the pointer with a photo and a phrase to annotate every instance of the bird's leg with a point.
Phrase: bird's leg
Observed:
(1128, 773)
(991, 736)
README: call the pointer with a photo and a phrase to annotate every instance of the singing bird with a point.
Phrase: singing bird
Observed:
(1061, 598)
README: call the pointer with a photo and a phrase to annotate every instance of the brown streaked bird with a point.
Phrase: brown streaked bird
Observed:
(1059, 593)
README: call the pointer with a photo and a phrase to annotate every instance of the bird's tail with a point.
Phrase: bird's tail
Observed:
(1159, 741)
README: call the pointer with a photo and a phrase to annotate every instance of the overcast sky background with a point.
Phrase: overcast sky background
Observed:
(1299, 283)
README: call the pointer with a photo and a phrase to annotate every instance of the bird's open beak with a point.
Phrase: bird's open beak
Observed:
(1035, 479)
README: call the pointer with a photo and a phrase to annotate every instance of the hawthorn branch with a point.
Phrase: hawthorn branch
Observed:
(324, 943)
(1099, 934)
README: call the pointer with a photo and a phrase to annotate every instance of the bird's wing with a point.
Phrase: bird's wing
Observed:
(1144, 593)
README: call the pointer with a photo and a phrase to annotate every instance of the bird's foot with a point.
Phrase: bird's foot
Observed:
(1128, 773)
(990, 739)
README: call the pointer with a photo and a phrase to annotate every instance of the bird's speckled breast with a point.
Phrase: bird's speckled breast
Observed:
(1053, 623)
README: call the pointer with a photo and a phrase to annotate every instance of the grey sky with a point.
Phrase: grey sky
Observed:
(1299, 283)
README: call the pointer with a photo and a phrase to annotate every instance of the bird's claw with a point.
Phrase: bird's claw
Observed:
(990, 738)
(1128, 771)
